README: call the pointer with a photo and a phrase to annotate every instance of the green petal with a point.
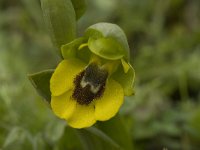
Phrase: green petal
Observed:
(69, 50)
(107, 48)
(108, 105)
(63, 106)
(109, 30)
(125, 65)
(125, 79)
(72, 50)
(82, 117)
(62, 79)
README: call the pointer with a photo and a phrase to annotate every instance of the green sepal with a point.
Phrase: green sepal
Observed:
(79, 7)
(72, 50)
(110, 31)
(125, 79)
(69, 50)
(60, 19)
(107, 48)
(41, 82)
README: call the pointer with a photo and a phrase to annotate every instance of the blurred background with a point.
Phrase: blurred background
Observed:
(164, 38)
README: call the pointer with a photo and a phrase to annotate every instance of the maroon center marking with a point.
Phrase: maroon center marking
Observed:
(95, 77)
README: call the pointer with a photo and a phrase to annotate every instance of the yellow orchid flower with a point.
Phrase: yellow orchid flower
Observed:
(90, 83)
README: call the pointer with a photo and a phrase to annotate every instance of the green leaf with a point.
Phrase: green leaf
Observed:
(107, 48)
(79, 7)
(125, 79)
(15, 136)
(70, 140)
(111, 31)
(115, 129)
(89, 141)
(103, 136)
(41, 82)
(54, 130)
(94, 139)
(60, 19)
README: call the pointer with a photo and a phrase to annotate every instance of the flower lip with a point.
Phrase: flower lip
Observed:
(89, 84)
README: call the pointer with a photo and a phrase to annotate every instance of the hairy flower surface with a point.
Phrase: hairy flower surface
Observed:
(91, 81)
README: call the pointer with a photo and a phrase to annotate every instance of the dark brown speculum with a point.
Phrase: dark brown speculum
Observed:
(89, 84)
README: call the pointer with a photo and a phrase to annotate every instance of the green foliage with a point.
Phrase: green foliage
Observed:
(41, 82)
(60, 19)
(164, 39)
(79, 7)
(118, 133)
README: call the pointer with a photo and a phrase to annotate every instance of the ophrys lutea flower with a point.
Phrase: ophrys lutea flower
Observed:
(91, 81)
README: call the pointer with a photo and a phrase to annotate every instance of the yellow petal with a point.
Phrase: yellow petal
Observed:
(108, 105)
(62, 79)
(82, 117)
(82, 45)
(125, 65)
(63, 105)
